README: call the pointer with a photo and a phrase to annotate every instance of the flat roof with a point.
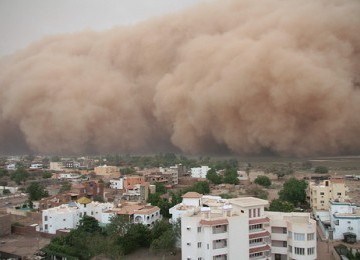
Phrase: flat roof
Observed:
(248, 202)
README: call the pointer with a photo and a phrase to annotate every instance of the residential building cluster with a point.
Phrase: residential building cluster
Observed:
(332, 207)
(68, 216)
(214, 228)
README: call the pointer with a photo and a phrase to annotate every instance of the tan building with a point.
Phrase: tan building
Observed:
(328, 190)
(106, 170)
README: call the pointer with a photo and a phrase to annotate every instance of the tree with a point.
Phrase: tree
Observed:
(231, 176)
(213, 176)
(47, 175)
(137, 236)
(3, 172)
(164, 243)
(159, 228)
(257, 192)
(263, 181)
(201, 187)
(36, 191)
(89, 224)
(281, 206)
(160, 188)
(321, 169)
(127, 170)
(294, 191)
(19, 175)
(119, 225)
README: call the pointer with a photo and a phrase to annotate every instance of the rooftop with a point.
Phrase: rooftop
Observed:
(248, 202)
(192, 195)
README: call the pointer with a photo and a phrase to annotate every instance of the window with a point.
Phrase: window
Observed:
(249, 213)
(258, 210)
(311, 250)
(299, 251)
(255, 241)
(199, 244)
(199, 258)
(257, 226)
(188, 243)
(289, 234)
(92, 212)
(290, 249)
(284, 230)
(311, 236)
(199, 229)
(254, 212)
(322, 193)
(321, 201)
(46, 226)
(299, 236)
(284, 243)
(220, 257)
(339, 193)
(64, 219)
(256, 254)
(45, 218)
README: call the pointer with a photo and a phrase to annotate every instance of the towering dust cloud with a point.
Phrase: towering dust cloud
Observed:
(247, 76)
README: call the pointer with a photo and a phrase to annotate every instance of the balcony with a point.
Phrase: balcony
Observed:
(221, 243)
(219, 229)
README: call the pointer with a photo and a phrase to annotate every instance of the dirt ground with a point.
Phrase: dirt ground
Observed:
(24, 246)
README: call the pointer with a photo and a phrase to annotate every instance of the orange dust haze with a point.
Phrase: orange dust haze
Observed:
(240, 76)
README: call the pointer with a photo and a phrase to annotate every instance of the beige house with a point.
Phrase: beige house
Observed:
(321, 194)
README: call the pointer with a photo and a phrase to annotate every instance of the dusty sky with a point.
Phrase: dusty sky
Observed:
(23, 21)
(239, 76)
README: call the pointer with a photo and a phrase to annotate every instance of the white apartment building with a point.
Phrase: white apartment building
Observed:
(293, 235)
(321, 194)
(344, 218)
(117, 184)
(214, 228)
(199, 172)
(67, 216)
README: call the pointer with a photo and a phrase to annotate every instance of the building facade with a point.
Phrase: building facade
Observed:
(214, 228)
(344, 218)
(106, 170)
(321, 194)
(199, 172)
(67, 216)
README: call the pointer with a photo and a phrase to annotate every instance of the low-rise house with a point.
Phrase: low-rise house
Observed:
(344, 218)
(67, 216)
(200, 172)
(139, 213)
(106, 170)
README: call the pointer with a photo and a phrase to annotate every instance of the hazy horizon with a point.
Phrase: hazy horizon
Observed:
(222, 77)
